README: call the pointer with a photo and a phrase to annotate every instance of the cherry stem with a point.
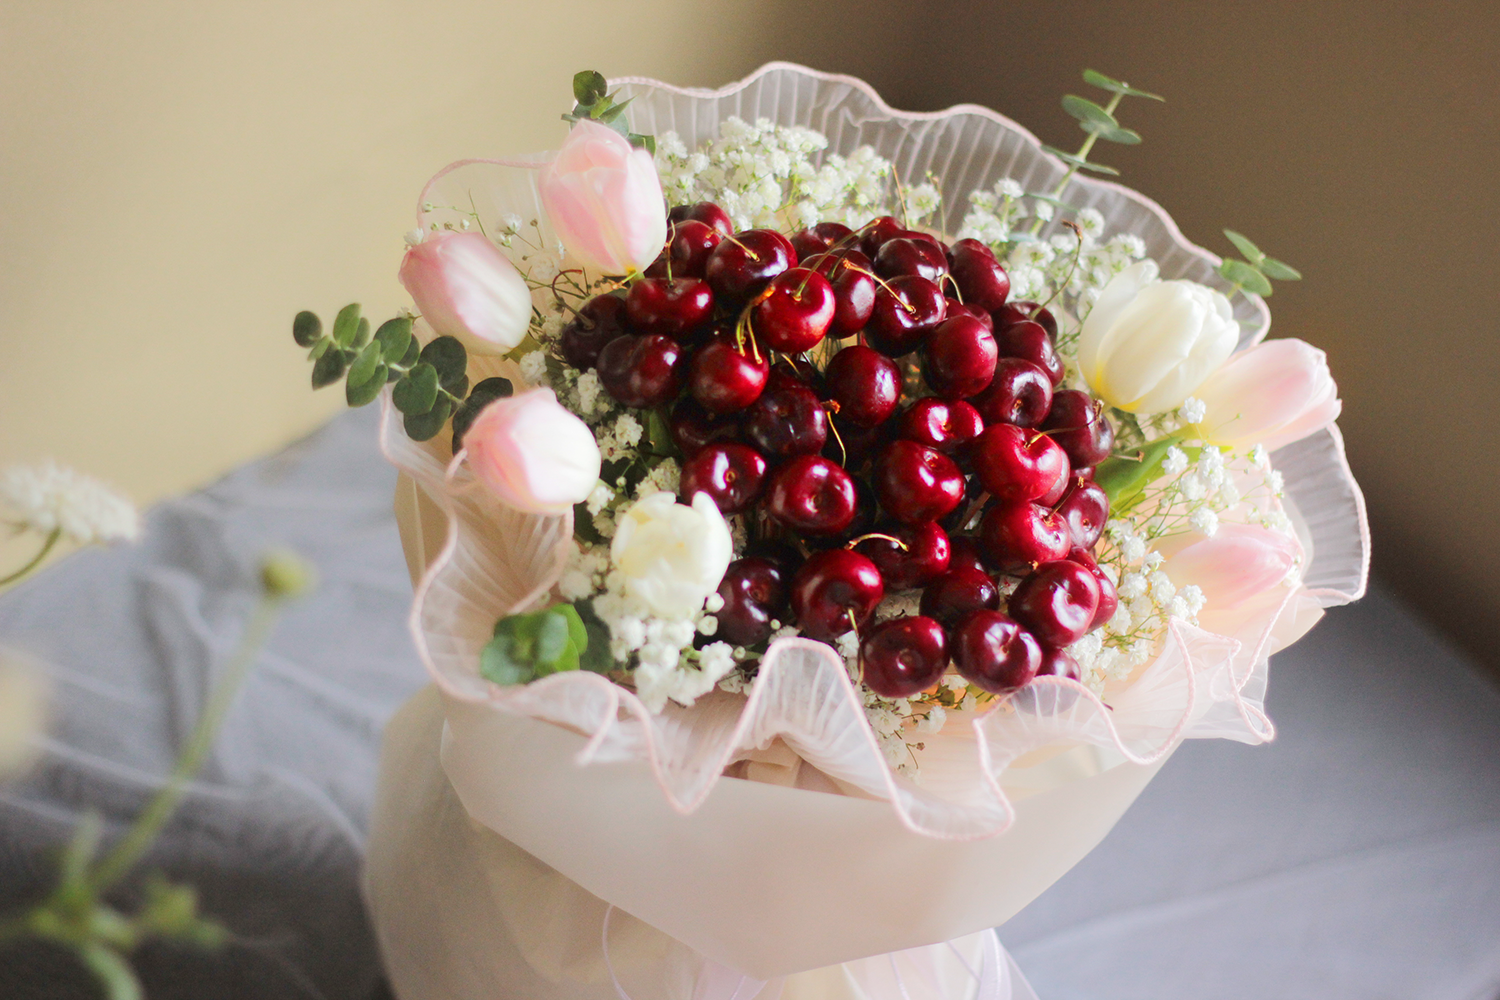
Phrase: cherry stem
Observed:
(854, 627)
(901, 198)
(911, 309)
(957, 292)
(881, 535)
(1072, 270)
(832, 407)
(748, 252)
(667, 250)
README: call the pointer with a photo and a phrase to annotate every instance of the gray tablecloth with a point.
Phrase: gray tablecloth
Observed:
(1356, 857)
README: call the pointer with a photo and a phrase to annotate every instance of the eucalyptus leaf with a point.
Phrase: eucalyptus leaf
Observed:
(1275, 269)
(319, 349)
(346, 325)
(484, 394)
(646, 142)
(594, 654)
(330, 367)
(361, 333)
(1249, 250)
(413, 352)
(425, 426)
(450, 359)
(395, 337)
(1118, 133)
(1246, 276)
(365, 363)
(306, 328)
(1086, 110)
(589, 86)
(1097, 79)
(365, 392)
(1079, 162)
(499, 663)
(551, 638)
(416, 393)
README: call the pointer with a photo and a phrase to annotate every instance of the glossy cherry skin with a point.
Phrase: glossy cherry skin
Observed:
(816, 239)
(725, 379)
(733, 475)
(957, 308)
(1018, 312)
(754, 593)
(958, 358)
(944, 424)
(980, 278)
(1016, 464)
(832, 586)
(1058, 663)
(1077, 423)
(692, 427)
(865, 384)
(915, 483)
(705, 212)
(1020, 394)
(1056, 602)
(1109, 597)
(599, 320)
(903, 255)
(993, 652)
(1057, 490)
(674, 308)
(1020, 535)
(850, 273)
(788, 419)
(920, 555)
(1085, 510)
(1031, 342)
(742, 264)
(906, 310)
(642, 370)
(966, 552)
(876, 232)
(903, 656)
(688, 245)
(795, 311)
(812, 495)
(957, 592)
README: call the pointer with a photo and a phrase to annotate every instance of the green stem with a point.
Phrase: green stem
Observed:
(36, 560)
(1082, 154)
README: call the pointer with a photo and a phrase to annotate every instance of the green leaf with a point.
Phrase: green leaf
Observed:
(646, 142)
(330, 367)
(1124, 478)
(658, 434)
(498, 663)
(589, 86)
(614, 112)
(551, 639)
(1097, 79)
(363, 393)
(578, 633)
(306, 328)
(1276, 270)
(361, 333)
(1246, 276)
(394, 336)
(594, 654)
(365, 363)
(483, 395)
(450, 359)
(1117, 133)
(1079, 162)
(415, 394)
(425, 426)
(111, 970)
(1249, 250)
(319, 349)
(346, 325)
(1086, 110)
(76, 857)
(413, 352)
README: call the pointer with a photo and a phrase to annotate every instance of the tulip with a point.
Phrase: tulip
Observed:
(1233, 565)
(672, 555)
(1148, 344)
(532, 453)
(1272, 394)
(466, 288)
(604, 199)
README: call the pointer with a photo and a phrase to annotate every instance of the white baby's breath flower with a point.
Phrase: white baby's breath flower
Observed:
(1042, 210)
(50, 497)
(599, 498)
(1204, 521)
(575, 585)
(1192, 410)
(1008, 187)
(628, 430)
(1090, 221)
(534, 368)
(1132, 586)
(1176, 461)
(933, 721)
(1259, 457)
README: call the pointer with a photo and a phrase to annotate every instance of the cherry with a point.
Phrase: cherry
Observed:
(673, 308)
(904, 255)
(642, 370)
(853, 289)
(903, 656)
(866, 512)
(850, 445)
(966, 552)
(865, 383)
(915, 483)
(1058, 489)
(959, 518)
(919, 554)
(1023, 534)
(794, 312)
(907, 308)
(832, 587)
(1109, 597)
(705, 212)
(980, 278)
(994, 652)
(823, 236)
(1078, 424)
(724, 379)
(958, 592)
(599, 320)
(946, 425)
(692, 427)
(1085, 509)
(810, 494)
(1016, 464)
(1031, 342)
(688, 245)
(1058, 663)
(787, 419)
(743, 263)
(731, 474)
(958, 358)
(1057, 602)
(877, 231)
(1020, 394)
(754, 592)
(957, 308)
(1020, 312)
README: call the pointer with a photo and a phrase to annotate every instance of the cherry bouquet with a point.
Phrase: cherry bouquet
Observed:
(804, 495)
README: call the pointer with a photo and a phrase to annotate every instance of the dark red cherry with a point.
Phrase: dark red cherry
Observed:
(599, 320)
(1020, 535)
(1058, 663)
(876, 232)
(688, 245)
(1019, 312)
(957, 592)
(1085, 510)
(960, 518)
(903, 255)
(833, 587)
(788, 419)
(966, 552)
(642, 371)
(1077, 422)
(816, 239)
(957, 308)
(906, 310)
(1016, 464)
(1020, 394)
(946, 425)
(919, 554)
(705, 212)
(958, 358)
(754, 593)
(795, 311)
(915, 483)
(1056, 602)
(742, 264)
(850, 446)
(994, 652)
(673, 308)
(724, 378)
(903, 656)
(812, 495)
(1057, 490)
(1031, 342)
(1109, 597)
(980, 278)
(733, 475)
(865, 383)
(692, 427)
(849, 271)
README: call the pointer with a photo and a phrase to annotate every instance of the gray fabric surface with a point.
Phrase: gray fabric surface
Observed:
(1356, 857)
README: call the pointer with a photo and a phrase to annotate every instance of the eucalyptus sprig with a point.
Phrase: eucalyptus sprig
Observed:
(595, 102)
(1254, 273)
(531, 645)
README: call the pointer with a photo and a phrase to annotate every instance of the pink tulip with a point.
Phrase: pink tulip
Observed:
(465, 287)
(1234, 564)
(532, 453)
(1272, 394)
(604, 199)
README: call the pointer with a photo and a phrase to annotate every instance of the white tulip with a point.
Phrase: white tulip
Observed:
(672, 556)
(1147, 344)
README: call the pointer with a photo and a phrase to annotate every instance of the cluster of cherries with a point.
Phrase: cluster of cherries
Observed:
(849, 496)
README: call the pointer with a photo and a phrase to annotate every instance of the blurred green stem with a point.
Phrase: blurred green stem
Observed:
(36, 561)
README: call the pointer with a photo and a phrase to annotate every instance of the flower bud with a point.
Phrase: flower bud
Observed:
(604, 199)
(672, 556)
(1236, 563)
(284, 574)
(466, 288)
(1148, 344)
(1272, 394)
(532, 453)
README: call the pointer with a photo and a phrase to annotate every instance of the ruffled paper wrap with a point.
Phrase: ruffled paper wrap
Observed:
(809, 851)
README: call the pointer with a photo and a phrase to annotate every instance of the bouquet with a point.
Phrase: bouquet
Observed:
(825, 520)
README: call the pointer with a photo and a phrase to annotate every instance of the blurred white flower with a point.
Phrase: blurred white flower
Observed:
(50, 497)
(23, 711)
